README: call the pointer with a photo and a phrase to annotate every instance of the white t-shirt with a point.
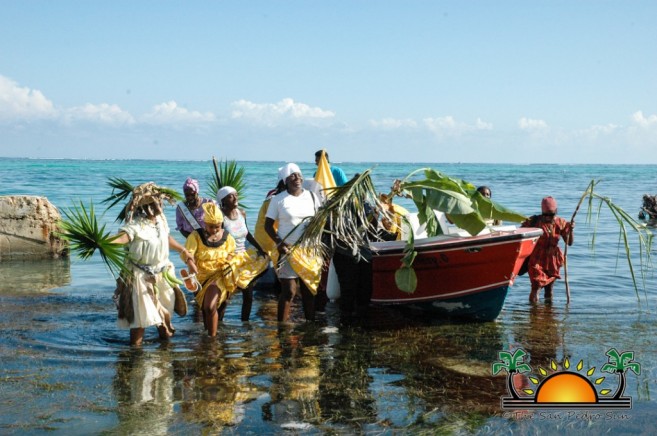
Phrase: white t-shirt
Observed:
(290, 211)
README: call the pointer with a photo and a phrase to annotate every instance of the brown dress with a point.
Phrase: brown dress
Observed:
(546, 260)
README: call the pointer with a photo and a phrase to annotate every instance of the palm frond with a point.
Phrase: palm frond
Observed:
(342, 219)
(81, 228)
(625, 223)
(228, 173)
(121, 191)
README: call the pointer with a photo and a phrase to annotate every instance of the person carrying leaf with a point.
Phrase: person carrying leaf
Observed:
(298, 271)
(547, 258)
(145, 285)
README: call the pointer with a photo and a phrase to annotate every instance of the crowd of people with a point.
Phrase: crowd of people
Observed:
(222, 256)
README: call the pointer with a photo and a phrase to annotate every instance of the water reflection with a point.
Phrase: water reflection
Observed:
(294, 391)
(213, 382)
(541, 336)
(44, 275)
(143, 387)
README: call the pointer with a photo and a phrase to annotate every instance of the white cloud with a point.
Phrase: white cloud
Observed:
(23, 103)
(449, 126)
(171, 113)
(393, 123)
(640, 120)
(271, 114)
(531, 124)
(483, 125)
(103, 113)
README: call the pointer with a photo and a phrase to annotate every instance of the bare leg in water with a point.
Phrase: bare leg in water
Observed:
(548, 292)
(136, 336)
(290, 288)
(247, 302)
(533, 295)
(210, 312)
(288, 291)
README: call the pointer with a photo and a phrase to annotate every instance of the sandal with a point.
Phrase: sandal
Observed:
(191, 283)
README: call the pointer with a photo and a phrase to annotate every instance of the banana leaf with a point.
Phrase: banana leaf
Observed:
(458, 199)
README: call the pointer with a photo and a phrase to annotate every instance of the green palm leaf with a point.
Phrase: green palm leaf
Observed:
(342, 218)
(121, 191)
(625, 222)
(80, 227)
(228, 173)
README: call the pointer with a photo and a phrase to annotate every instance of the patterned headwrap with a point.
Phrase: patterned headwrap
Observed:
(191, 184)
(287, 170)
(213, 214)
(224, 192)
(548, 205)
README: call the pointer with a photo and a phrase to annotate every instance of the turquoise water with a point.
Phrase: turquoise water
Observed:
(66, 368)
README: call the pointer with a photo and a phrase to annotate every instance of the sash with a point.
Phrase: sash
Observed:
(188, 216)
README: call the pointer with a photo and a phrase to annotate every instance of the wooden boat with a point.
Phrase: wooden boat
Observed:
(458, 276)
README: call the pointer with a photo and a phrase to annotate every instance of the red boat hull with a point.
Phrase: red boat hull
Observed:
(461, 277)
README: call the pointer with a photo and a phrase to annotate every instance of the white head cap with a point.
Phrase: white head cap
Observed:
(225, 191)
(287, 170)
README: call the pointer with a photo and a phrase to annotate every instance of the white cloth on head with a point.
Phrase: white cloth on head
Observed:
(224, 192)
(287, 170)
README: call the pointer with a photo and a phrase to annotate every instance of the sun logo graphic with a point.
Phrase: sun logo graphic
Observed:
(567, 388)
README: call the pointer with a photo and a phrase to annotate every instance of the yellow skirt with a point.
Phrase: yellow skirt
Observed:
(307, 267)
(237, 273)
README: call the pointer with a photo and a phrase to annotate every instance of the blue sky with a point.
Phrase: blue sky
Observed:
(407, 81)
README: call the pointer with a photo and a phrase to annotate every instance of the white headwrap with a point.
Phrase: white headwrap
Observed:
(224, 192)
(287, 170)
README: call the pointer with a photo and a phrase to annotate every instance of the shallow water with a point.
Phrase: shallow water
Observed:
(66, 369)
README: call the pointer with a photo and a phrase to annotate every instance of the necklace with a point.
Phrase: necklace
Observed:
(216, 237)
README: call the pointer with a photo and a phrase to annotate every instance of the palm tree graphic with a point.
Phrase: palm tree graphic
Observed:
(619, 364)
(512, 363)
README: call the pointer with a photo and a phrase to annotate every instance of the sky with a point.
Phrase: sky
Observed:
(369, 81)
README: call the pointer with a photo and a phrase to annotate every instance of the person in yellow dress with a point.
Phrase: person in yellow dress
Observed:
(219, 269)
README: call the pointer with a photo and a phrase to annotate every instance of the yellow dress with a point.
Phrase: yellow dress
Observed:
(260, 235)
(223, 267)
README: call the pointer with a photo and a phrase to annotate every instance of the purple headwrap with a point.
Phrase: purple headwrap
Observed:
(191, 184)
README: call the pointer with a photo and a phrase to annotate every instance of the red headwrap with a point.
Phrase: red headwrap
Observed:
(548, 204)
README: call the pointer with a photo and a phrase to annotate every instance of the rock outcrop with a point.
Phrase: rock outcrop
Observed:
(28, 227)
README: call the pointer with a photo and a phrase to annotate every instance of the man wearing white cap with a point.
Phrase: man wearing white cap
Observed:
(290, 208)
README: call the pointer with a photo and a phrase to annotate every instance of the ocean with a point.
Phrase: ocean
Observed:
(65, 368)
